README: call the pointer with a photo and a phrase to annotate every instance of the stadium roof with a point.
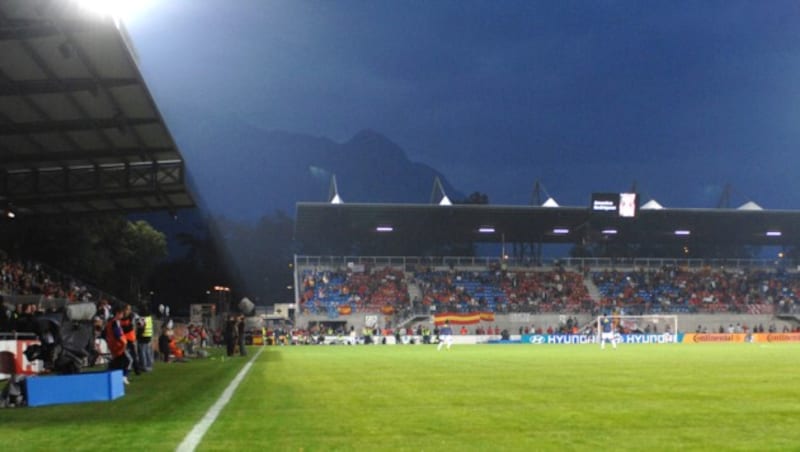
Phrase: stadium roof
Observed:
(79, 130)
(321, 223)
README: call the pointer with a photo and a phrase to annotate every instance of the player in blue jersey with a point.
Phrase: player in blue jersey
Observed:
(445, 336)
(607, 332)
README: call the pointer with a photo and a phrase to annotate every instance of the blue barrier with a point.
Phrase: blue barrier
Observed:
(78, 388)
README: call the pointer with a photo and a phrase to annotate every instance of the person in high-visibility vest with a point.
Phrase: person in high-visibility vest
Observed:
(144, 337)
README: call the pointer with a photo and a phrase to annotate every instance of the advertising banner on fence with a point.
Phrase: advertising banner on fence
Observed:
(663, 338)
(777, 337)
(22, 365)
(700, 338)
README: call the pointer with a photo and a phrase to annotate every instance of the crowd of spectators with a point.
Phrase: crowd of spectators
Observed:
(556, 290)
(37, 287)
(707, 290)
(353, 290)
(30, 278)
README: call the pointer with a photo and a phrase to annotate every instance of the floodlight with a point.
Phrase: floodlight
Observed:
(117, 9)
(774, 233)
(683, 232)
(9, 211)
(384, 229)
(486, 230)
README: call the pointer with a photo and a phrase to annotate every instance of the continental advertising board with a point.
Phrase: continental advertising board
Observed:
(698, 338)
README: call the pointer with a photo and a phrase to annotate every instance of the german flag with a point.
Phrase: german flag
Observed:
(463, 318)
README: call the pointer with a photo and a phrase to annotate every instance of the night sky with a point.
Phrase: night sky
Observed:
(584, 96)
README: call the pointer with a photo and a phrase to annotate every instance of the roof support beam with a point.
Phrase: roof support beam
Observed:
(93, 154)
(72, 125)
(32, 87)
(16, 29)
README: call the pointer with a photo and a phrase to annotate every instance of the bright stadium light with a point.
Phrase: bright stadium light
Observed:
(486, 230)
(774, 233)
(609, 231)
(125, 10)
(683, 232)
(384, 229)
(560, 231)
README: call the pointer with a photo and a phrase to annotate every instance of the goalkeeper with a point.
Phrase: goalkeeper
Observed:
(607, 332)
(445, 336)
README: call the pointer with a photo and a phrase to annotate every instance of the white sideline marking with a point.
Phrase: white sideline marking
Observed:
(193, 438)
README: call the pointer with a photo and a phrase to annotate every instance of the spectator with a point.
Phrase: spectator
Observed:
(117, 345)
(240, 327)
(231, 335)
(144, 336)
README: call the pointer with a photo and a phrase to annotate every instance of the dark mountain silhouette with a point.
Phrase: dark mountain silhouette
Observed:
(243, 172)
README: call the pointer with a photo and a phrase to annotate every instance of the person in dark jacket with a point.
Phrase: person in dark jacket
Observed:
(231, 335)
(240, 324)
(163, 344)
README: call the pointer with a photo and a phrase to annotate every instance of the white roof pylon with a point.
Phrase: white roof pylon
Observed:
(652, 205)
(550, 203)
(438, 193)
(750, 205)
(333, 192)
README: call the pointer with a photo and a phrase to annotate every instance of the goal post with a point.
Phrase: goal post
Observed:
(656, 324)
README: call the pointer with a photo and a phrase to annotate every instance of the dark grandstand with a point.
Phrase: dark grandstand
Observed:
(79, 130)
(79, 134)
(416, 228)
(701, 264)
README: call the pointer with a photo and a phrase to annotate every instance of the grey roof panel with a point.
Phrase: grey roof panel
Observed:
(79, 129)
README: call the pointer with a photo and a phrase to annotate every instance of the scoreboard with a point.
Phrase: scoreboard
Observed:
(624, 205)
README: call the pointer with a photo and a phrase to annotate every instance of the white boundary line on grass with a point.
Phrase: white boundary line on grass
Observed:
(193, 438)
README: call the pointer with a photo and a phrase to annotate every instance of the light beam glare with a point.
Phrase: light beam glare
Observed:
(119, 10)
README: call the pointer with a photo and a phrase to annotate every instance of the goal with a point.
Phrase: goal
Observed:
(664, 325)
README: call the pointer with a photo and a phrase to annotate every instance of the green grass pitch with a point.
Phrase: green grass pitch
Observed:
(472, 397)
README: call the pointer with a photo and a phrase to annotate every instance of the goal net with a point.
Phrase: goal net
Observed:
(663, 325)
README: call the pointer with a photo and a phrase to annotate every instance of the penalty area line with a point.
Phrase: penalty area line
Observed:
(191, 440)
